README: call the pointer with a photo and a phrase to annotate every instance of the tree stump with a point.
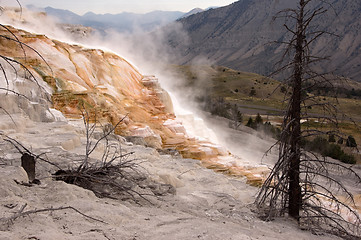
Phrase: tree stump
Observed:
(28, 163)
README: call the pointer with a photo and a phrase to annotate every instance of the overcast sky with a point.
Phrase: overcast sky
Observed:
(118, 6)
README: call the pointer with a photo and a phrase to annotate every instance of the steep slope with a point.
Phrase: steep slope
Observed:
(191, 12)
(106, 84)
(239, 36)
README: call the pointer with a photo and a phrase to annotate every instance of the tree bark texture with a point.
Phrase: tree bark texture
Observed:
(295, 198)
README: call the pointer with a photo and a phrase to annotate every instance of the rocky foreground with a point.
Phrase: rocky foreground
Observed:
(203, 205)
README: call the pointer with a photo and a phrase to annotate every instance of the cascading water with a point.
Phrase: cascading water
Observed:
(195, 126)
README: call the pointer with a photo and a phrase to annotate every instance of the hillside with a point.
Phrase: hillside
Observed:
(216, 89)
(122, 22)
(254, 91)
(239, 36)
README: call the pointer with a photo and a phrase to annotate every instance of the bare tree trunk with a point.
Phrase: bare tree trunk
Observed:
(306, 186)
(295, 199)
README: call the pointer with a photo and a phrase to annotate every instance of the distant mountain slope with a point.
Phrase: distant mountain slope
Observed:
(64, 15)
(122, 22)
(193, 11)
(239, 36)
(128, 22)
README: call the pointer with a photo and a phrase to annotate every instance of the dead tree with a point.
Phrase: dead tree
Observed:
(115, 175)
(235, 116)
(302, 184)
(90, 146)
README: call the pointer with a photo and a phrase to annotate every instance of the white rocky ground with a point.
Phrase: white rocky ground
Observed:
(206, 205)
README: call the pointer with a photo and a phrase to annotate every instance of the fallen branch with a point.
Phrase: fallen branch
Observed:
(21, 213)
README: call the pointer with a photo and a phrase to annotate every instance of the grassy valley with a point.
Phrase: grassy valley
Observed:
(218, 88)
(248, 89)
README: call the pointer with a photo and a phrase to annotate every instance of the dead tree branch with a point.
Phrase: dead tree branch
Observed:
(10, 220)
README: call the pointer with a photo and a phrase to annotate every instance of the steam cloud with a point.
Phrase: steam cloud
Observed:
(150, 53)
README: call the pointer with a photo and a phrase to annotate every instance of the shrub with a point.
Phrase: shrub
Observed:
(252, 93)
(319, 144)
(250, 123)
(347, 158)
(334, 151)
(351, 142)
(256, 123)
(271, 130)
(218, 107)
(322, 146)
(258, 119)
(331, 139)
(283, 89)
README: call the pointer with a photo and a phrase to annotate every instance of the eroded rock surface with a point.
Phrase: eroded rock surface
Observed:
(204, 205)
